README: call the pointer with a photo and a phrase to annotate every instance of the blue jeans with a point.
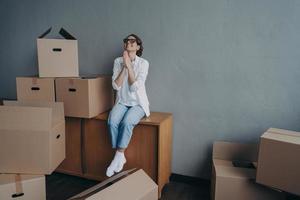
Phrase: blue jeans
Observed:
(121, 122)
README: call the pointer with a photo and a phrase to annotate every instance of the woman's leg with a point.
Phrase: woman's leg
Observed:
(115, 116)
(131, 118)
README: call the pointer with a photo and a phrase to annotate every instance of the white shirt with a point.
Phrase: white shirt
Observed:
(134, 94)
(128, 97)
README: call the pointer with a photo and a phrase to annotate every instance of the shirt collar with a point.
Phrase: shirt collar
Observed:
(136, 59)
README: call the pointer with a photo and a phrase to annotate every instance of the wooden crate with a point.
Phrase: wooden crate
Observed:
(90, 152)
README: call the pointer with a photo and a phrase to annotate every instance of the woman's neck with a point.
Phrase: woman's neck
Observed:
(132, 55)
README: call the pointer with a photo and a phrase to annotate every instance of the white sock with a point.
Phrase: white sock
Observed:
(119, 155)
(118, 158)
(121, 163)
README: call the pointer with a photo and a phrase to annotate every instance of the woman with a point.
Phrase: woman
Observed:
(129, 76)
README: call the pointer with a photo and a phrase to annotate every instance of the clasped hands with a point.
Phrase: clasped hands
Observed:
(126, 60)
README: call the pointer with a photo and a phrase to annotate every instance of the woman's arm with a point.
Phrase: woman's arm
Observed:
(131, 75)
(140, 78)
(128, 66)
(118, 75)
(119, 80)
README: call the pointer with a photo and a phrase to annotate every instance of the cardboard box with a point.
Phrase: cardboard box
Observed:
(35, 89)
(32, 137)
(58, 57)
(22, 187)
(85, 97)
(236, 183)
(278, 160)
(127, 185)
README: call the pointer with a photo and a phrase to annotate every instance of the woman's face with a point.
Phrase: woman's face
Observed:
(130, 44)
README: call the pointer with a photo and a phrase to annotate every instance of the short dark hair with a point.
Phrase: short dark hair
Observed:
(139, 42)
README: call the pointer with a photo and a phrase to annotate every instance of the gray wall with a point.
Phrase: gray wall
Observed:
(226, 69)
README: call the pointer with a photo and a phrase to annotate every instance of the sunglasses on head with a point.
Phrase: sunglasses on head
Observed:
(130, 40)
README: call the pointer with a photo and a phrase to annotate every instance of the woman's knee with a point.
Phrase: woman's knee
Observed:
(127, 121)
(113, 121)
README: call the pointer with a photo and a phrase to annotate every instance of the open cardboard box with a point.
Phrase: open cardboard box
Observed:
(127, 185)
(238, 182)
(35, 89)
(279, 160)
(22, 187)
(32, 137)
(58, 57)
(85, 97)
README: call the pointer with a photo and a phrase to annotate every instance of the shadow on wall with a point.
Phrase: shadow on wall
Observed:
(204, 171)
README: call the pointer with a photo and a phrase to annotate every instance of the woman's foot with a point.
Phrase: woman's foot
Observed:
(117, 164)
(110, 170)
(121, 164)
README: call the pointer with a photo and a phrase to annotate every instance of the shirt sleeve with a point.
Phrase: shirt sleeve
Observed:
(140, 78)
(116, 71)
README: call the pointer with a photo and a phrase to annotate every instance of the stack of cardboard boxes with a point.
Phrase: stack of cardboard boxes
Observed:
(59, 80)
(264, 171)
(32, 144)
(32, 129)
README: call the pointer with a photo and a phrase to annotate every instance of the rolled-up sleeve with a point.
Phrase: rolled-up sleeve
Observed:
(116, 71)
(141, 77)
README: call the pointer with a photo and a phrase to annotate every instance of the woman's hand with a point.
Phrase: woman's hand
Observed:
(128, 66)
(126, 59)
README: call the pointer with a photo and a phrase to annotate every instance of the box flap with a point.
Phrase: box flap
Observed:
(66, 34)
(283, 136)
(101, 185)
(235, 151)
(45, 33)
(283, 131)
(56, 107)
(62, 32)
(25, 118)
(92, 77)
(133, 186)
(224, 168)
(89, 77)
(35, 77)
